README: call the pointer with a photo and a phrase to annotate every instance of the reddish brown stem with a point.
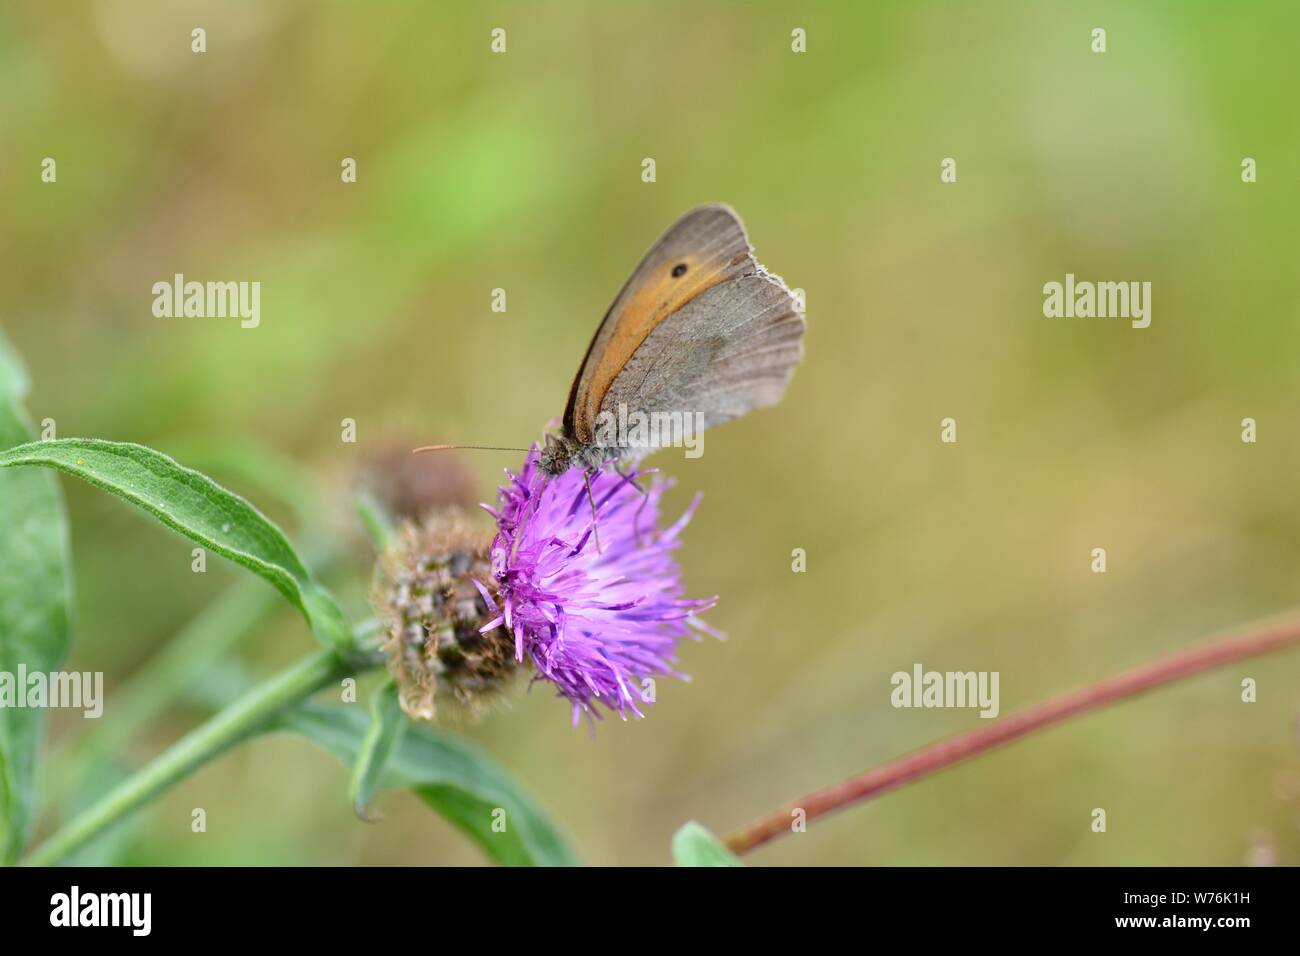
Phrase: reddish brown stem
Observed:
(948, 753)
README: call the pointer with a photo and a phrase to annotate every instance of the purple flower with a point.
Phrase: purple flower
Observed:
(595, 620)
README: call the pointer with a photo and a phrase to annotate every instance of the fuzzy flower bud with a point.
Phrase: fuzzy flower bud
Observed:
(432, 590)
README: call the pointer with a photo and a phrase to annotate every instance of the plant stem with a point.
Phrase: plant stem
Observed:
(231, 621)
(235, 723)
(217, 631)
(947, 753)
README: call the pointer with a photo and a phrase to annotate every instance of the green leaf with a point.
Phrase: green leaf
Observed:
(196, 506)
(453, 778)
(693, 845)
(386, 725)
(260, 471)
(35, 598)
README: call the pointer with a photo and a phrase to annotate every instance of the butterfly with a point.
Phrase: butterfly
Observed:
(700, 329)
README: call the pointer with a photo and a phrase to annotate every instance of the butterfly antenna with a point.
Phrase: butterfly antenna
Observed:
(474, 447)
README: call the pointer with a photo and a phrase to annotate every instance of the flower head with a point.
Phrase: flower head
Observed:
(597, 606)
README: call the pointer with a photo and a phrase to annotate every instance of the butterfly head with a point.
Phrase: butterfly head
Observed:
(562, 452)
(557, 455)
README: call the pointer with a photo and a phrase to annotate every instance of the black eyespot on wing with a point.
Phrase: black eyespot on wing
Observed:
(679, 270)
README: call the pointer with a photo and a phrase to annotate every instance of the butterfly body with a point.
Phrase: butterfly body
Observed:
(560, 453)
(700, 334)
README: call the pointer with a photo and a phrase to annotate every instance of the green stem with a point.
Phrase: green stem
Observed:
(232, 725)
(219, 630)
(223, 627)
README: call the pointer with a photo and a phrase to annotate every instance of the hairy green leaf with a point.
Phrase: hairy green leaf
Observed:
(261, 472)
(386, 725)
(35, 597)
(452, 777)
(196, 506)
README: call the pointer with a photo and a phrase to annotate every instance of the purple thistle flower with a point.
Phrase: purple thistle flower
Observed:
(594, 622)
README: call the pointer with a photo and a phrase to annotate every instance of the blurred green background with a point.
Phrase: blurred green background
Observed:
(924, 300)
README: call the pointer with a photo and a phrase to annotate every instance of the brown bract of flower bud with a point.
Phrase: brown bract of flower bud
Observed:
(432, 611)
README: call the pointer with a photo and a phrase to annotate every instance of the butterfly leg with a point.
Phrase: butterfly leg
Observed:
(645, 496)
(595, 528)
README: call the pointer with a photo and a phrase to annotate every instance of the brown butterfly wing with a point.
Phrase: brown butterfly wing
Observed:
(730, 350)
(710, 243)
